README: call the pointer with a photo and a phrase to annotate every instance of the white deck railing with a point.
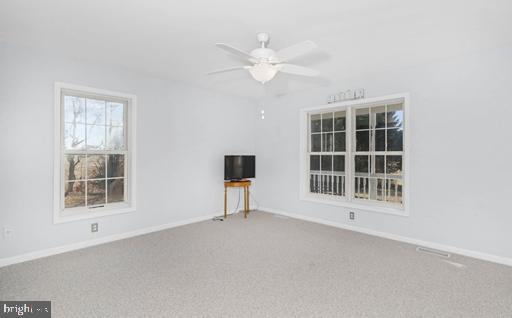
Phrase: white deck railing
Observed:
(327, 184)
(383, 189)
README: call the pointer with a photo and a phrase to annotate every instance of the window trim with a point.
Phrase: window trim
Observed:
(346, 201)
(59, 216)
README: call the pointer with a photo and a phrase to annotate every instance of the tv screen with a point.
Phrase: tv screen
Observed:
(239, 167)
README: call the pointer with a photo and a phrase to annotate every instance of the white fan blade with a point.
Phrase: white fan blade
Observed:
(296, 50)
(229, 69)
(235, 51)
(297, 70)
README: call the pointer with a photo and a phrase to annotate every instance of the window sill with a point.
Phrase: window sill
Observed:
(84, 214)
(368, 207)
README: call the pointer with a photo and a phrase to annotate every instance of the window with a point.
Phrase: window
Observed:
(327, 153)
(94, 166)
(355, 154)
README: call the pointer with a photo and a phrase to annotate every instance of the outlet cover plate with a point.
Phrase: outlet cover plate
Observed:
(8, 232)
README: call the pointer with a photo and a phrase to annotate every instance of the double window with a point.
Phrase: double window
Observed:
(94, 164)
(355, 153)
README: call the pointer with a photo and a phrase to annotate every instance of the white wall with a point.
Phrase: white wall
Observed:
(182, 135)
(460, 150)
(461, 176)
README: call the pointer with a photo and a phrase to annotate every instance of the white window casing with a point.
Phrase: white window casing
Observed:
(95, 156)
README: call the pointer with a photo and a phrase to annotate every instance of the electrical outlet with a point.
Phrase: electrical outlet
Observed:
(94, 227)
(8, 232)
(351, 215)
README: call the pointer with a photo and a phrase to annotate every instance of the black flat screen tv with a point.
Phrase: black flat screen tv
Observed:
(239, 167)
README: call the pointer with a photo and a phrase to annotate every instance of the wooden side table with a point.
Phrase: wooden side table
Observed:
(237, 184)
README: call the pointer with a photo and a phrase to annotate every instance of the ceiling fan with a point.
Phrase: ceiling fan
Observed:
(267, 62)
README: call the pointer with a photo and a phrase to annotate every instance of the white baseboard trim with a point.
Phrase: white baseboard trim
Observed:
(451, 249)
(102, 240)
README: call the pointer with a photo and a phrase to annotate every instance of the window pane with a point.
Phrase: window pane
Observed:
(316, 142)
(95, 137)
(362, 140)
(314, 163)
(74, 136)
(115, 114)
(327, 119)
(326, 181)
(361, 164)
(96, 112)
(96, 192)
(115, 138)
(395, 115)
(395, 139)
(339, 141)
(380, 189)
(96, 166)
(380, 140)
(74, 194)
(361, 187)
(115, 190)
(115, 167)
(379, 164)
(326, 163)
(327, 141)
(379, 117)
(338, 185)
(339, 121)
(363, 118)
(339, 163)
(394, 190)
(316, 124)
(372, 182)
(74, 109)
(394, 165)
(314, 183)
(74, 167)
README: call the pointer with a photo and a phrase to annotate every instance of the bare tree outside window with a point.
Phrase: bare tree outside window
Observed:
(94, 154)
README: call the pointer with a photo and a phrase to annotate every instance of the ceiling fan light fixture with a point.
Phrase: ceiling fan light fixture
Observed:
(263, 72)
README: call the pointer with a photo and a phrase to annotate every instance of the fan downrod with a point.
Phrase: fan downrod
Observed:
(263, 38)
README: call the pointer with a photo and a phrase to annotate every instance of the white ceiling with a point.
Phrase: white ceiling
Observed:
(174, 39)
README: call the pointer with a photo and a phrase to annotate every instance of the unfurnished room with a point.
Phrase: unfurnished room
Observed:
(282, 158)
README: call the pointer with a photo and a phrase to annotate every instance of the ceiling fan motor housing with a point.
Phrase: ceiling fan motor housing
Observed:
(264, 54)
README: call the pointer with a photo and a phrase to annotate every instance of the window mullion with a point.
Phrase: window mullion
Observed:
(86, 180)
(349, 160)
(385, 182)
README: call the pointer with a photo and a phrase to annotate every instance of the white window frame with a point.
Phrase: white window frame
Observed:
(347, 201)
(61, 215)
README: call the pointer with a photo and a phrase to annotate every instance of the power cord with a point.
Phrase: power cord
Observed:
(221, 218)
(251, 195)
(254, 199)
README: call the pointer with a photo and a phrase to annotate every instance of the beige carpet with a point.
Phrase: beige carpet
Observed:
(264, 266)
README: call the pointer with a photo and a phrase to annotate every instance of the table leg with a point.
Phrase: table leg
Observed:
(245, 202)
(225, 202)
(248, 201)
